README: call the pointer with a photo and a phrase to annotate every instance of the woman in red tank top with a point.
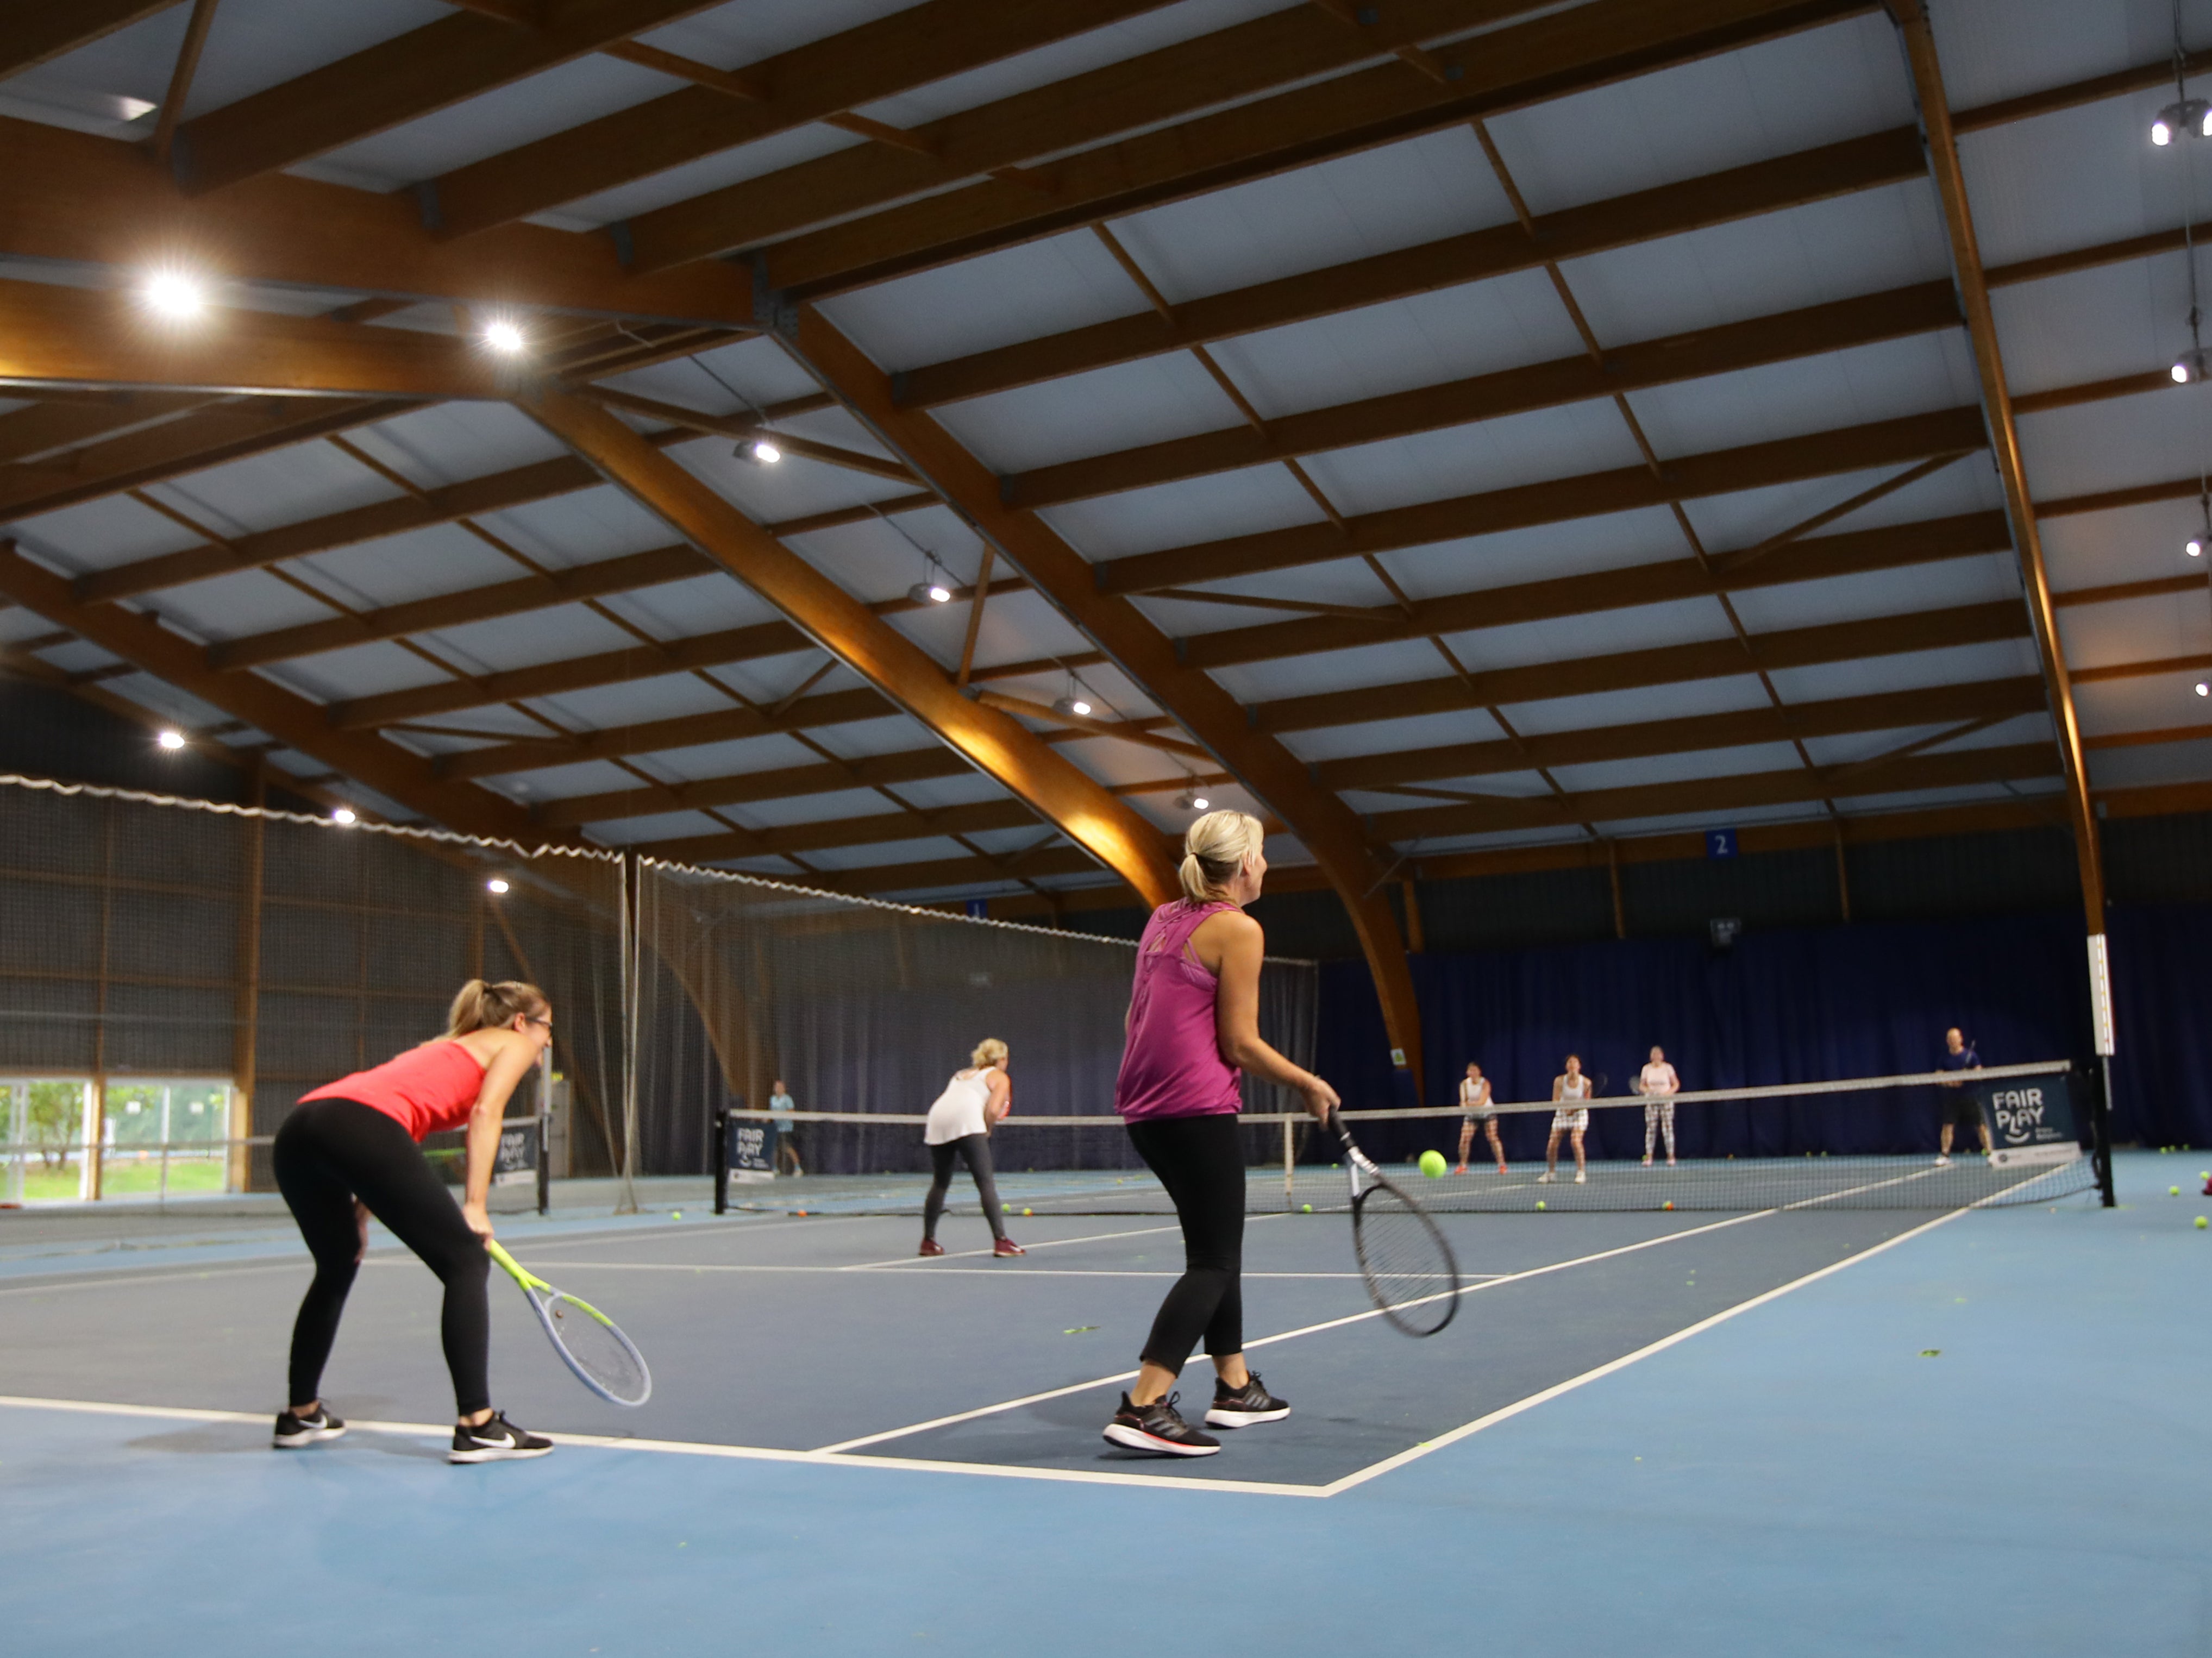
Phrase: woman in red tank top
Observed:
(352, 1148)
(1193, 1029)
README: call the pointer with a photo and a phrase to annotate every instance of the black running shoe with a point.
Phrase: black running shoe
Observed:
(1157, 1427)
(1240, 1407)
(496, 1440)
(294, 1431)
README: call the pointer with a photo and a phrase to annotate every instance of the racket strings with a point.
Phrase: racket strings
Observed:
(1409, 1267)
(598, 1349)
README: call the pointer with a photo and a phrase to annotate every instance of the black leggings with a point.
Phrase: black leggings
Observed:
(1200, 1161)
(977, 1148)
(328, 1152)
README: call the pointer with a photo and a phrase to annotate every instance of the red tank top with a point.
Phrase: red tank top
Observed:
(1172, 1066)
(424, 1090)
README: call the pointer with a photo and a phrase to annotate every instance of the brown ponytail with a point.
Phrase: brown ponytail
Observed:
(481, 1006)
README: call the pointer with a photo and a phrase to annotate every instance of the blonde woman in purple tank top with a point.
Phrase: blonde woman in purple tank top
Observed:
(1193, 1028)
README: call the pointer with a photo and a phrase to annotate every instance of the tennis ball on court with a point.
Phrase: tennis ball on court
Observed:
(1029, 1212)
(1669, 1204)
(1433, 1164)
(2202, 1222)
(1540, 1203)
(2173, 1190)
(1005, 1208)
(1306, 1209)
(676, 1214)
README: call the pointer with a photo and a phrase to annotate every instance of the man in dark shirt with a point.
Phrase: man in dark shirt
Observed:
(1966, 1109)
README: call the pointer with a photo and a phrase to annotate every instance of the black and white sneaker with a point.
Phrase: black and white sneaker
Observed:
(1157, 1427)
(1240, 1407)
(495, 1440)
(294, 1431)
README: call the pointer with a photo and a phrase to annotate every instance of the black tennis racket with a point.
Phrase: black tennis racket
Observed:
(1411, 1273)
(590, 1343)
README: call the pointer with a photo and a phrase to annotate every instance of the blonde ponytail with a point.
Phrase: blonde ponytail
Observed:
(1214, 848)
(989, 1051)
(481, 1006)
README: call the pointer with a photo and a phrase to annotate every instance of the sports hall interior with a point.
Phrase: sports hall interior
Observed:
(1687, 521)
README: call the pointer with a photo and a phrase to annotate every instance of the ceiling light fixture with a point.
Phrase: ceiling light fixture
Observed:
(495, 884)
(1073, 704)
(171, 740)
(504, 337)
(760, 451)
(1191, 800)
(176, 295)
(935, 586)
(2203, 689)
(2185, 115)
(343, 815)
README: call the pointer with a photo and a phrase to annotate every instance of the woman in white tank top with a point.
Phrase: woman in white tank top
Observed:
(1571, 1117)
(960, 1124)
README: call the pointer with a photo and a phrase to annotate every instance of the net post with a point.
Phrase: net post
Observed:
(721, 1160)
(629, 943)
(2100, 1132)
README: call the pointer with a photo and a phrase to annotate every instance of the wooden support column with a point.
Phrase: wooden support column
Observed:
(1411, 890)
(1612, 876)
(1329, 830)
(995, 744)
(2004, 439)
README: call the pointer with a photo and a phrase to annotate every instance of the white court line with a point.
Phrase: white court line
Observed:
(176, 1275)
(1049, 1243)
(435, 1431)
(1009, 1273)
(833, 1456)
(1415, 1453)
(1267, 1341)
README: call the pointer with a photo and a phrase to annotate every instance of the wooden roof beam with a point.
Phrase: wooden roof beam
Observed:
(1760, 187)
(1550, 56)
(1813, 331)
(1210, 716)
(995, 744)
(817, 81)
(1257, 55)
(2004, 438)
(1688, 477)
(81, 337)
(1664, 664)
(1711, 796)
(72, 196)
(398, 80)
(32, 34)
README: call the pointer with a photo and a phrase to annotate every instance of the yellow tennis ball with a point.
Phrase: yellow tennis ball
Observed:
(1433, 1164)
(676, 1214)
(1540, 1203)
(1306, 1209)
(2173, 1190)
(1029, 1212)
(2202, 1222)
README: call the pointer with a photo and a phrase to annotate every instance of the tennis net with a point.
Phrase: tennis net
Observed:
(1857, 1143)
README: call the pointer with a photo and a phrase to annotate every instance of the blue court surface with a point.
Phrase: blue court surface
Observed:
(1958, 1431)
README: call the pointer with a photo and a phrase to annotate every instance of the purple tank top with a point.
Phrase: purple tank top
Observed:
(1172, 1066)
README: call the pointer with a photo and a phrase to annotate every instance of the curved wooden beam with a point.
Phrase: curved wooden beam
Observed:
(998, 745)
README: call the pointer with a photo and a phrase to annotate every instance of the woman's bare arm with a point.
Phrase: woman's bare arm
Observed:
(1000, 1100)
(509, 1064)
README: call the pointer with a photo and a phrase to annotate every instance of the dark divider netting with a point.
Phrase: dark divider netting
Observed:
(865, 1009)
(213, 964)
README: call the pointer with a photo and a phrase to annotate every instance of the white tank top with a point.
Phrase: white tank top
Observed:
(958, 1112)
(1575, 1088)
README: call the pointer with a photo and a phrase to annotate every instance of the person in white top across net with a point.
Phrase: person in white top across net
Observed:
(960, 1123)
(1658, 1085)
(1474, 1100)
(1571, 1091)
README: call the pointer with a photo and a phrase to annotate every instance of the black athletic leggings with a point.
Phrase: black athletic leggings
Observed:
(329, 1152)
(1200, 1161)
(977, 1148)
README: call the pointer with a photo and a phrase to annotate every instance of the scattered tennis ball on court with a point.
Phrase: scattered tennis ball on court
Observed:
(1029, 1212)
(1079, 1330)
(2202, 1222)
(1540, 1203)
(1669, 1204)
(1005, 1208)
(2173, 1190)
(1433, 1164)
(1306, 1209)
(676, 1214)
(1931, 1352)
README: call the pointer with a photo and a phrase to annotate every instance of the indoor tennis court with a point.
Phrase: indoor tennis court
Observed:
(863, 826)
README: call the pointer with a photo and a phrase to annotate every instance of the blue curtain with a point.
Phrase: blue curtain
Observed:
(1797, 1004)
